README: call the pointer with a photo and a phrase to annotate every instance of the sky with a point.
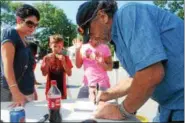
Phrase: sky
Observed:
(70, 7)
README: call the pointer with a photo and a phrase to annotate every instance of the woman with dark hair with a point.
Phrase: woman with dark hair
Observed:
(16, 58)
(150, 46)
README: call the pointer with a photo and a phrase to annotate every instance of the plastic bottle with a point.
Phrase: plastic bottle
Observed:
(54, 102)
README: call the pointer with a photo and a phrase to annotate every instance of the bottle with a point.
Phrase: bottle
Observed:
(54, 102)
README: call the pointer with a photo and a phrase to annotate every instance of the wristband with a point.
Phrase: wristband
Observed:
(13, 85)
(124, 113)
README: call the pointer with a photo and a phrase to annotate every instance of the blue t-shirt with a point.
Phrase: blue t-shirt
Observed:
(144, 35)
(23, 57)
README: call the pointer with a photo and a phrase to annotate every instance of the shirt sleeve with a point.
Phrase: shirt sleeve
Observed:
(8, 35)
(141, 36)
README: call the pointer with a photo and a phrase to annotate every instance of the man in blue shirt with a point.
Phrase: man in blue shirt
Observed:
(149, 44)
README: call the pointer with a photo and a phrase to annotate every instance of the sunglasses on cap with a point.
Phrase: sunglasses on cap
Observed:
(80, 28)
(31, 24)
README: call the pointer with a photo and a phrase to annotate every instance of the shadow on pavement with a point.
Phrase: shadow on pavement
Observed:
(73, 86)
(43, 86)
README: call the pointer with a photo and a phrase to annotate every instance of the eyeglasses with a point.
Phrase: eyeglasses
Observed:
(31, 24)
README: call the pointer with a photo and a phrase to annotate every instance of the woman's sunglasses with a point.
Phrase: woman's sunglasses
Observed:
(31, 24)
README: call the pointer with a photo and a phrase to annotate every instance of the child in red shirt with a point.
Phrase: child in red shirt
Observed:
(56, 65)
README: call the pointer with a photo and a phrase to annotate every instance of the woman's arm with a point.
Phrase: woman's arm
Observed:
(8, 53)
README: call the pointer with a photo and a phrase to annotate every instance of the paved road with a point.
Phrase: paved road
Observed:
(74, 82)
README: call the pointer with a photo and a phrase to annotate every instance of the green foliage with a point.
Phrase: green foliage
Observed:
(161, 3)
(8, 18)
(8, 13)
(176, 7)
(4, 4)
(54, 21)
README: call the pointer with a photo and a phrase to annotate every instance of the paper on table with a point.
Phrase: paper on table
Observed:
(87, 105)
(112, 101)
(84, 105)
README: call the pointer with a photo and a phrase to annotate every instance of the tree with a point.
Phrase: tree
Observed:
(52, 21)
(176, 7)
(8, 12)
(4, 5)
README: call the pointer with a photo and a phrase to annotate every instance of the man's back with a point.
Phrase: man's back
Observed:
(145, 35)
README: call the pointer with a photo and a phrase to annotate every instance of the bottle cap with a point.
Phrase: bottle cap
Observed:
(53, 82)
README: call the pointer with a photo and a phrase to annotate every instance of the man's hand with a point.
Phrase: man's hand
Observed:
(109, 111)
(103, 96)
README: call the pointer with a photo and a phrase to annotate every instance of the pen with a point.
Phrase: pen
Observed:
(43, 119)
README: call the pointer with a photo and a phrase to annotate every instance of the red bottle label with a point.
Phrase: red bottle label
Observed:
(54, 103)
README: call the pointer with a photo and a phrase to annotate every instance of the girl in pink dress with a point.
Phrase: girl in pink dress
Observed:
(96, 60)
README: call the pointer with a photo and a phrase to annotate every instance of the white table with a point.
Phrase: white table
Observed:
(36, 109)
